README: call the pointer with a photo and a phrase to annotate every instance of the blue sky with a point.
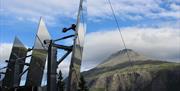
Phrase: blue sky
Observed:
(19, 17)
(151, 27)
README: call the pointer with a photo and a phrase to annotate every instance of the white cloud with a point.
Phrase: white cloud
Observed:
(171, 14)
(33, 9)
(133, 9)
(158, 43)
(175, 7)
(53, 10)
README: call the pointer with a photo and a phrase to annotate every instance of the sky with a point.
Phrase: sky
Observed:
(149, 27)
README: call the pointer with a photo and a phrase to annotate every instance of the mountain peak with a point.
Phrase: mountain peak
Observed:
(121, 56)
(124, 51)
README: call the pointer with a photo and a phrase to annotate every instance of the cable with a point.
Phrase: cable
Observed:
(117, 23)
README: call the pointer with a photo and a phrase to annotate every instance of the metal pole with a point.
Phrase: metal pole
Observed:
(52, 66)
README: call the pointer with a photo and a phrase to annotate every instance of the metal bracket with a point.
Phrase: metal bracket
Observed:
(64, 38)
(73, 27)
(2, 73)
(20, 75)
(63, 57)
(19, 59)
(67, 48)
(3, 68)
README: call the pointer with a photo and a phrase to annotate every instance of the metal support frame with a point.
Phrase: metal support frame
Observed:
(52, 66)
(63, 57)
(67, 48)
(1, 74)
(20, 62)
(73, 27)
(53, 63)
(64, 37)
(52, 58)
(18, 59)
(20, 75)
(3, 68)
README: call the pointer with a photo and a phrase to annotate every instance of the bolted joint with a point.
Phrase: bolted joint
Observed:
(47, 42)
(29, 49)
(67, 48)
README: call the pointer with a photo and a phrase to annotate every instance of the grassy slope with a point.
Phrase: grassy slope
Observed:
(152, 67)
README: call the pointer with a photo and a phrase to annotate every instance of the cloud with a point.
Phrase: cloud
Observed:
(158, 43)
(175, 7)
(134, 9)
(31, 10)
